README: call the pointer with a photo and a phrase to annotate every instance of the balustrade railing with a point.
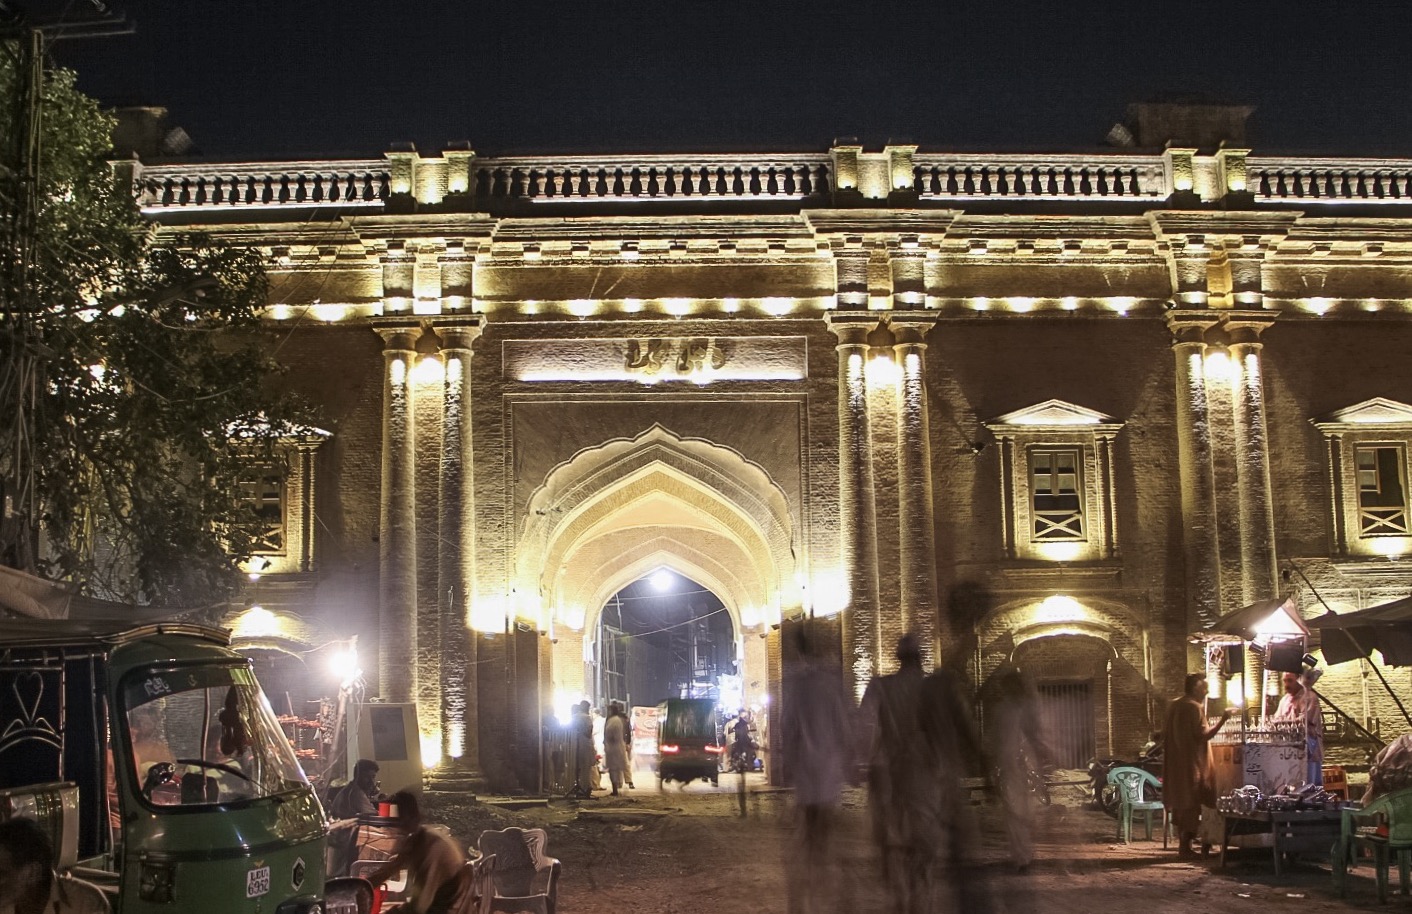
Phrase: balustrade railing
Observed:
(1330, 180)
(332, 183)
(606, 178)
(1048, 177)
(936, 177)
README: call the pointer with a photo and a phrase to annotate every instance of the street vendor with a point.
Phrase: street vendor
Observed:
(1299, 704)
(1187, 784)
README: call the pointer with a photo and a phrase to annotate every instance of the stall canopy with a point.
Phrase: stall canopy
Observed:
(1386, 629)
(1259, 621)
(29, 597)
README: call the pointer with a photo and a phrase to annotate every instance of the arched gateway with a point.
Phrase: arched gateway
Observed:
(614, 513)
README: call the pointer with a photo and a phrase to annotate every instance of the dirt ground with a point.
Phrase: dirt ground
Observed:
(689, 851)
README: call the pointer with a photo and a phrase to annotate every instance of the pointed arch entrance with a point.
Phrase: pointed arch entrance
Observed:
(665, 635)
(615, 513)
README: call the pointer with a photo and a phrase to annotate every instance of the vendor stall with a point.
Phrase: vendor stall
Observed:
(1258, 768)
(1259, 752)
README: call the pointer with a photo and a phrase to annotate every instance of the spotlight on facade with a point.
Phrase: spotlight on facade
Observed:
(882, 368)
(256, 622)
(345, 667)
(256, 567)
(1218, 355)
(428, 366)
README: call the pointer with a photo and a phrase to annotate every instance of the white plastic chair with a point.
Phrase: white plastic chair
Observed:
(525, 877)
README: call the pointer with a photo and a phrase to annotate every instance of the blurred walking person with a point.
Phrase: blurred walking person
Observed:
(890, 731)
(948, 833)
(1016, 749)
(615, 747)
(581, 738)
(1186, 771)
(816, 718)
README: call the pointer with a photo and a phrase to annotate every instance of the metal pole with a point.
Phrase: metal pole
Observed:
(1341, 713)
(20, 382)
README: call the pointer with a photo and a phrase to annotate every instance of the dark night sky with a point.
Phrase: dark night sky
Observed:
(334, 77)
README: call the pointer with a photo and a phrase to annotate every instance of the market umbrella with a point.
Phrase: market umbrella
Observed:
(1386, 629)
(1264, 617)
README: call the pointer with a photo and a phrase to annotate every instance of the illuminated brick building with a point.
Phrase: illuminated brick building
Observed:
(1079, 404)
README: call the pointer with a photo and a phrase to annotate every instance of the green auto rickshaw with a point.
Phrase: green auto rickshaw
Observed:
(188, 795)
(689, 742)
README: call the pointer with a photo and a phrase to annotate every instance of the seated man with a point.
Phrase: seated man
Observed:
(359, 796)
(28, 883)
(354, 799)
(435, 865)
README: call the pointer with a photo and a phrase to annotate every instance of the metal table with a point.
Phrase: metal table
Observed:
(1307, 831)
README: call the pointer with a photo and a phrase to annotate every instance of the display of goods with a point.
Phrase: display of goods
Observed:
(1248, 799)
(1276, 732)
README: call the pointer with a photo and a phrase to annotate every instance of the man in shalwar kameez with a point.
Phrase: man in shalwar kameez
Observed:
(1186, 769)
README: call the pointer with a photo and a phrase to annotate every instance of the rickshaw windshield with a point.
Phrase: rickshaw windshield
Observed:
(205, 736)
(687, 719)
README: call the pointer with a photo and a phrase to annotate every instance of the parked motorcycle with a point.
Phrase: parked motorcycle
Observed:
(1104, 795)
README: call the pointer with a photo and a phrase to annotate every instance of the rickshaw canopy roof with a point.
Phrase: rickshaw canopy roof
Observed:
(97, 633)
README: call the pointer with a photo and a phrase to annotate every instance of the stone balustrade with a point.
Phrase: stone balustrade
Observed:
(1048, 177)
(606, 178)
(361, 182)
(1330, 180)
(491, 183)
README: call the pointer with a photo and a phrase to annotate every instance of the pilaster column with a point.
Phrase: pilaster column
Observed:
(916, 534)
(1259, 568)
(456, 556)
(1197, 472)
(857, 510)
(397, 526)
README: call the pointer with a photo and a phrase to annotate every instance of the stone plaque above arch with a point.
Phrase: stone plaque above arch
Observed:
(658, 358)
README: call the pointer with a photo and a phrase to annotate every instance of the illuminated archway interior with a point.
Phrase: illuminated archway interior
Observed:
(616, 515)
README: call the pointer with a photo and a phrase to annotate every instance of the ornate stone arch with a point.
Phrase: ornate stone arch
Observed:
(1039, 617)
(689, 504)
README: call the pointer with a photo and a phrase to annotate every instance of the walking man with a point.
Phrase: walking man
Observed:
(889, 718)
(815, 717)
(615, 749)
(581, 726)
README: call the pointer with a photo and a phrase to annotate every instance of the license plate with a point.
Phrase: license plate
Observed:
(257, 882)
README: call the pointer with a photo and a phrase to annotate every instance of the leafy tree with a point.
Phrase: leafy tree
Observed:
(136, 383)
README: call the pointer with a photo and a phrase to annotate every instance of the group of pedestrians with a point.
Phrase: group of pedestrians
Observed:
(918, 734)
(617, 749)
